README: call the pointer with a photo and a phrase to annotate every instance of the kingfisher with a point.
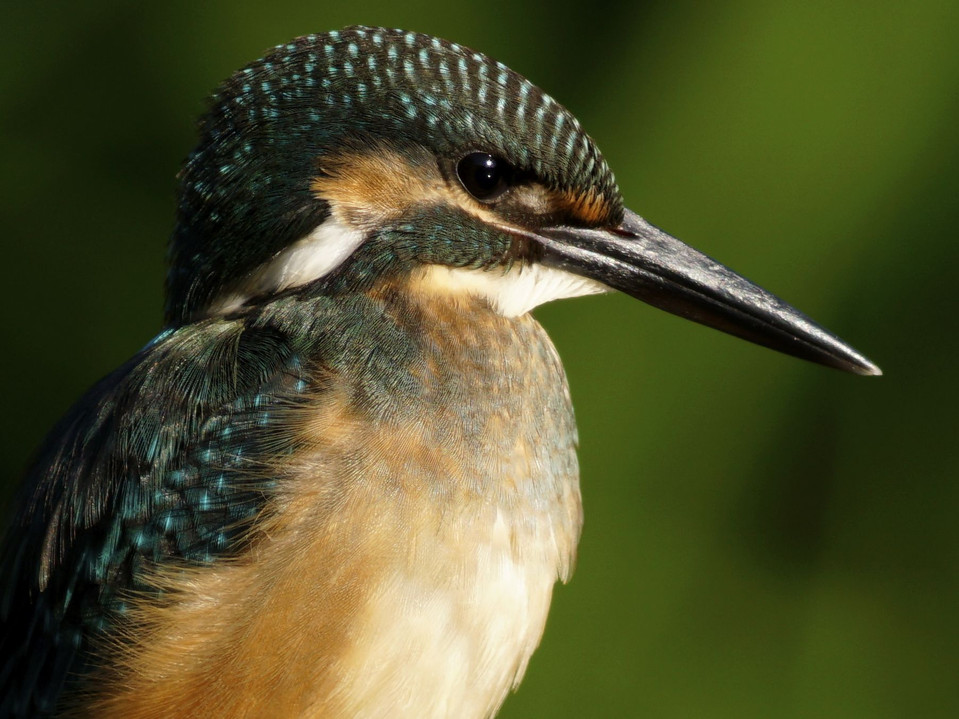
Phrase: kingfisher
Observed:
(342, 480)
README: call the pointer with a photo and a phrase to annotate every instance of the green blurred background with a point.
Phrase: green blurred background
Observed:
(764, 537)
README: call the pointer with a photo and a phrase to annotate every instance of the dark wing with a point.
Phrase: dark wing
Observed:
(161, 460)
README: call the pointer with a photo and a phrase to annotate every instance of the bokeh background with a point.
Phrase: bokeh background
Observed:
(764, 537)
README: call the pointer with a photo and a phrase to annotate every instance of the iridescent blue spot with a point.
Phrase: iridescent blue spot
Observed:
(353, 49)
(265, 86)
(152, 448)
(348, 68)
(391, 52)
(159, 338)
(139, 539)
(308, 67)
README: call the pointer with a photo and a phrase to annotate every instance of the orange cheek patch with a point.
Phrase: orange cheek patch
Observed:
(372, 186)
(366, 189)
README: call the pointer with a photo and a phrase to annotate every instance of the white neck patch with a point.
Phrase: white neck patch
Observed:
(307, 259)
(512, 292)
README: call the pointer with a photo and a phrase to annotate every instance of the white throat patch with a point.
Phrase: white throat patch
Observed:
(512, 292)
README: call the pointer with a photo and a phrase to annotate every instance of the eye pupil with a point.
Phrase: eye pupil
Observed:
(487, 175)
(484, 176)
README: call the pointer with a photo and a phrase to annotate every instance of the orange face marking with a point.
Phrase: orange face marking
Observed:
(369, 188)
(375, 185)
(591, 209)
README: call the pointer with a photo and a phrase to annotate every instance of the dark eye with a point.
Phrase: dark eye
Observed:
(484, 176)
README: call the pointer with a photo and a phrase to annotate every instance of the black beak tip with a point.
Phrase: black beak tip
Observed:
(862, 366)
(650, 265)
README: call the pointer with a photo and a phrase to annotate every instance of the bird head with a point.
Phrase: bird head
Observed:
(343, 158)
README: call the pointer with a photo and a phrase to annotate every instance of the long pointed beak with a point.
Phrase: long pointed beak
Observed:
(646, 263)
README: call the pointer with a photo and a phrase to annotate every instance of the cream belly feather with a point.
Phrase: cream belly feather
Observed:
(456, 649)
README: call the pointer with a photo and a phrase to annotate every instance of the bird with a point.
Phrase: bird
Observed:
(342, 479)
